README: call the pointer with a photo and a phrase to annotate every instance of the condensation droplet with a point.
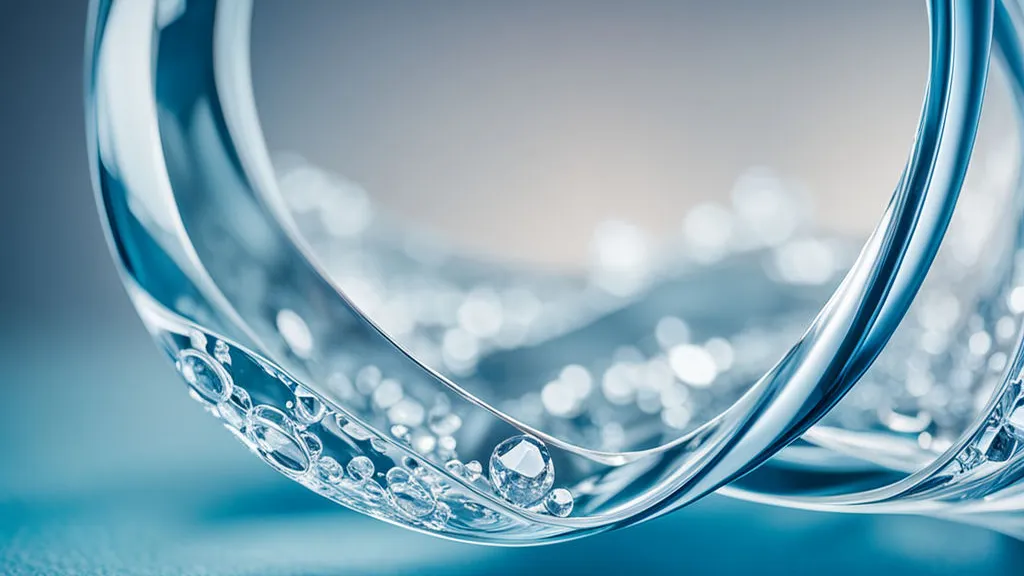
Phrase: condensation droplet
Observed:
(210, 382)
(360, 468)
(308, 408)
(276, 438)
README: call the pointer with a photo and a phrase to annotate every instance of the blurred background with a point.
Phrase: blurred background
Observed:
(514, 128)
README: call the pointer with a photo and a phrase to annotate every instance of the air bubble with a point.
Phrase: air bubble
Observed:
(206, 377)
(360, 468)
(559, 502)
(308, 408)
(276, 438)
(412, 499)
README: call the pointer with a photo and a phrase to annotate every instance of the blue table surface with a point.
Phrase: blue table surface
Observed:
(106, 467)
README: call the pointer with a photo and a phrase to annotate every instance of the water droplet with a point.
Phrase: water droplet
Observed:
(313, 444)
(379, 445)
(222, 353)
(999, 445)
(693, 365)
(398, 475)
(474, 469)
(521, 470)
(207, 378)
(276, 438)
(360, 468)
(197, 339)
(308, 408)
(407, 412)
(559, 502)
(424, 475)
(374, 493)
(400, 432)
(446, 444)
(330, 470)
(442, 512)
(455, 468)
(470, 515)
(367, 379)
(236, 408)
(356, 431)
(412, 499)
(444, 423)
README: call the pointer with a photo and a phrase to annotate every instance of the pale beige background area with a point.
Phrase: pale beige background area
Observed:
(515, 127)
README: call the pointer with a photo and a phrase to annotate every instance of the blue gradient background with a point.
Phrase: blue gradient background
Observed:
(106, 467)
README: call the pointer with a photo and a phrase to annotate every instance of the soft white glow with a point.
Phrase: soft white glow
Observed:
(295, 332)
(693, 365)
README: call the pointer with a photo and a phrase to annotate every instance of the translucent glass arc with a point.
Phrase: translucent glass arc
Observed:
(174, 131)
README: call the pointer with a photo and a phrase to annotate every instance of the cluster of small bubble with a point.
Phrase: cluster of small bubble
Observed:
(434, 436)
(377, 479)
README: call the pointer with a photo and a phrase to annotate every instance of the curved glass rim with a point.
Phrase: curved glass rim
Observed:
(842, 341)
